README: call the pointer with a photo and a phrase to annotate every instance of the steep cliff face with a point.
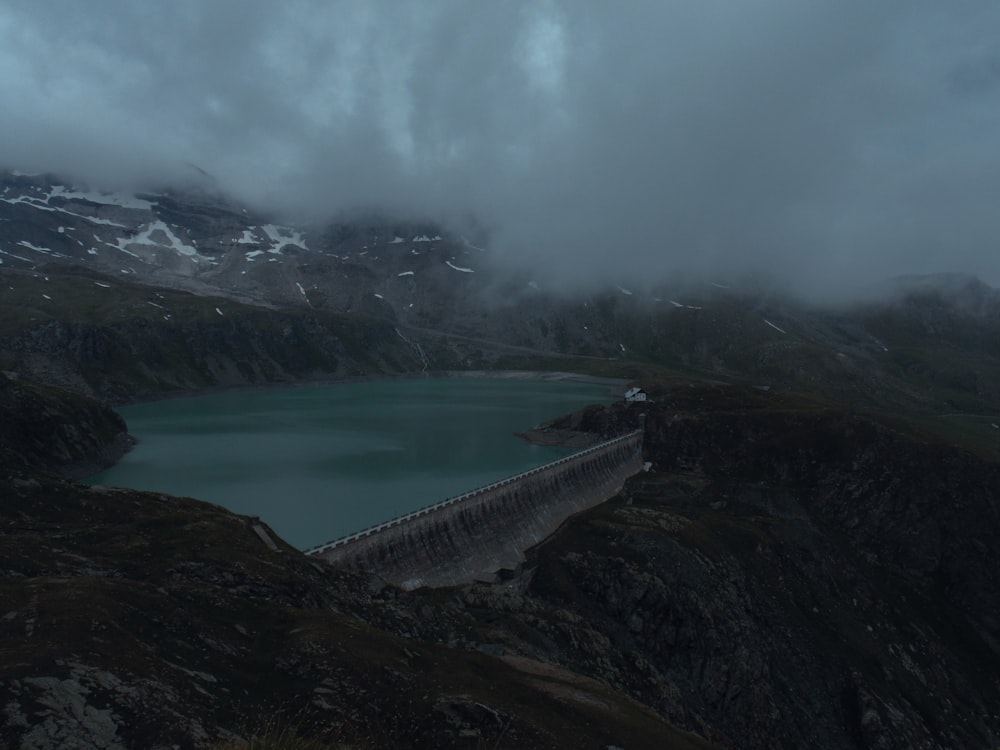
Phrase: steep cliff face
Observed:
(922, 507)
(122, 341)
(43, 428)
(792, 578)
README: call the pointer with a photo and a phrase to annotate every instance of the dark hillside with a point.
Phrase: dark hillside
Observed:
(787, 575)
(791, 576)
(45, 429)
(139, 620)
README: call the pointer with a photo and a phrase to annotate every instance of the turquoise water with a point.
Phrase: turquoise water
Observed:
(317, 462)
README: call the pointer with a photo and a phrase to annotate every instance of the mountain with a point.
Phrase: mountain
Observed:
(111, 275)
(809, 562)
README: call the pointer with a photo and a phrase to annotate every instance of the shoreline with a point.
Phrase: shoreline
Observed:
(614, 385)
(108, 456)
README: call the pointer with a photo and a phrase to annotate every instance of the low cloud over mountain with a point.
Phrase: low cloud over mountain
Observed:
(827, 143)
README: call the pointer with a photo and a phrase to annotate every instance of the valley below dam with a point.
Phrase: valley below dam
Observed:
(316, 462)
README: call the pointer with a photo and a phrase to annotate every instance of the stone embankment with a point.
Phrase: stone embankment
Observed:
(472, 536)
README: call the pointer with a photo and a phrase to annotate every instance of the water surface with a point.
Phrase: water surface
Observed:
(316, 462)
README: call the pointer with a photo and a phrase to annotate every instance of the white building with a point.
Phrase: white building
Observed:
(635, 394)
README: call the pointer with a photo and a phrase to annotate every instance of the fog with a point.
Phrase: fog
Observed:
(825, 143)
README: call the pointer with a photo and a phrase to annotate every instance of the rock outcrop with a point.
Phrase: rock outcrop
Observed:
(141, 342)
(43, 428)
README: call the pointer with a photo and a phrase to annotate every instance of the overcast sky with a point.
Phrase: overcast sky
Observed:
(831, 141)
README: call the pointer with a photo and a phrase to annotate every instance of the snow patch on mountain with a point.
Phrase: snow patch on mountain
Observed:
(37, 204)
(675, 303)
(458, 268)
(16, 257)
(157, 233)
(38, 249)
(108, 199)
(281, 236)
(779, 330)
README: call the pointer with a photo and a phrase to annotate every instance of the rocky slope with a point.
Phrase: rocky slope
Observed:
(135, 620)
(45, 429)
(788, 575)
(121, 341)
(796, 578)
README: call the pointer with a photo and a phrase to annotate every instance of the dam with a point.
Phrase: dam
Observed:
(472, 536)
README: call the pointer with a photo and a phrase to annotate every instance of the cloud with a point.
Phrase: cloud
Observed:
(830, 142)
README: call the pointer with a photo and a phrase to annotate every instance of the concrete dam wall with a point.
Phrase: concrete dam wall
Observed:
(472, 536)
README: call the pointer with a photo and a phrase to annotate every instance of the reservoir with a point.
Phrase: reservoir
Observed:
(320, 461)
